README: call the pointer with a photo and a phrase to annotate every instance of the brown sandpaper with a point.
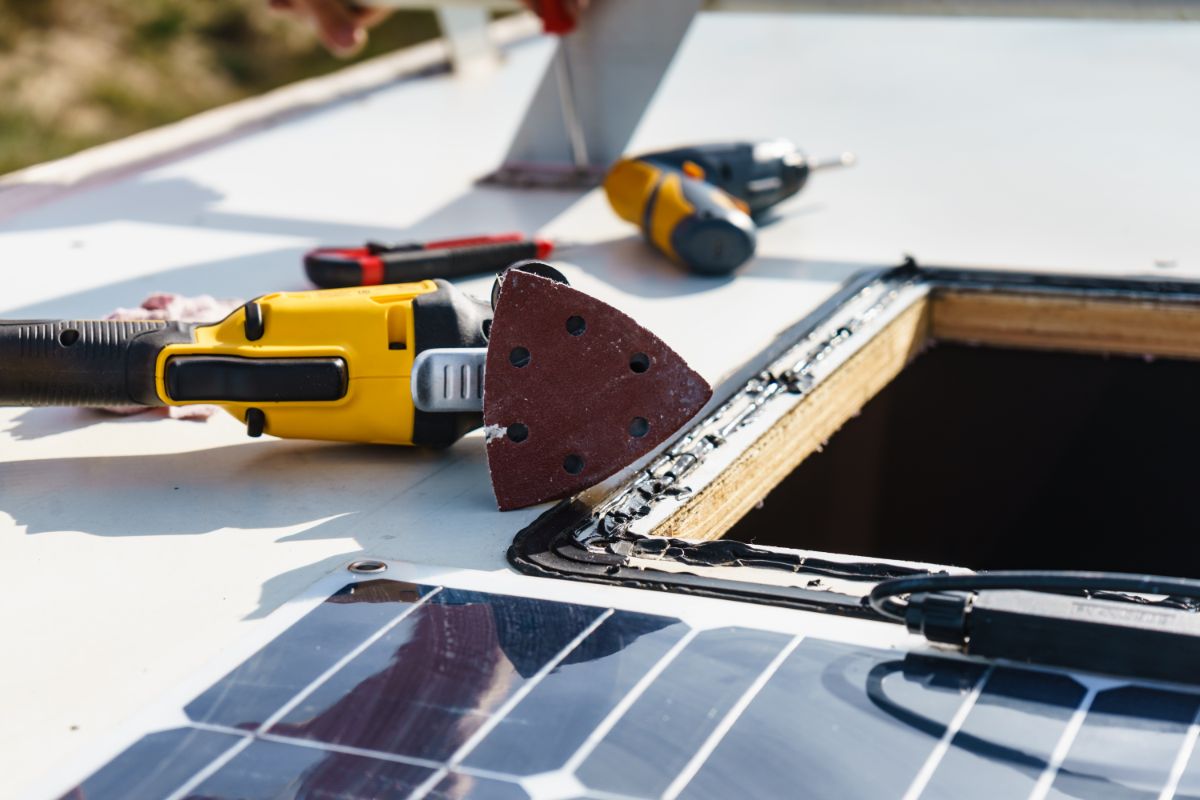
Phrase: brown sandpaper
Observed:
(574, 391)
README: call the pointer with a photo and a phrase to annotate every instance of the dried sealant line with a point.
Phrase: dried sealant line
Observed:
(611, 523)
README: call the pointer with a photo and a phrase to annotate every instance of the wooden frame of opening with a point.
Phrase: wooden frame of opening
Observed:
(661, 527)
(1130, 318)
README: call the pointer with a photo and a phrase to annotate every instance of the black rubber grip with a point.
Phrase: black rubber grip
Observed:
(407, 266)
(83, 362)
(448, 318)
(454, 262)
(255, 380)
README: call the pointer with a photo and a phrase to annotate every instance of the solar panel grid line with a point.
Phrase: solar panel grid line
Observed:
(218, 728)
(233, 751)
(589, 744)
(600, 794)
(350, 750)
(1186, 749)
(478, 736)
(701, 755)
(943, 746)
(1063, 746)
(799, 689)
(200, 777)
(316, 744)
(316, 683)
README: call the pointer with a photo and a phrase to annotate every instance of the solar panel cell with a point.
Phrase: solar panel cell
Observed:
(429, 683)
(270, 770)
(251, 693)
(457, 786)
(1188, 787)
(1006, 740)
(552, 722)
(390, 690)
(657, 737)
(154, 766)
(814, 731)
(1127, 744)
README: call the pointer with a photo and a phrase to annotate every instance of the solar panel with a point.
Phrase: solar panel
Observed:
(390, 689)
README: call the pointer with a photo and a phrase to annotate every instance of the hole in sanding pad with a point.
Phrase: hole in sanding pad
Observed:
(639, 363)
(576, 326)
(517, 432)
(639, 427)
(519, 357)
(68, 337)
(573, 464)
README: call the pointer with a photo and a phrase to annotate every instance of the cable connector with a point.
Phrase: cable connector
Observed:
(1055, 618)
(938, 616)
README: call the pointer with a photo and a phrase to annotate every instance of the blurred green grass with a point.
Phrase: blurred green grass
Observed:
(76, 74)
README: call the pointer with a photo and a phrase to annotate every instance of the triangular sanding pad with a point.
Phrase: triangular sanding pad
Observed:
(574, 391)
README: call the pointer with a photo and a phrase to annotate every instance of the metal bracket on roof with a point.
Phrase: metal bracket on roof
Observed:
(602, 79)
(466, 32)
(594, 93)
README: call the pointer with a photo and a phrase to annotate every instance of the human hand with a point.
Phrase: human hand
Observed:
(341, 27)
(571, 8)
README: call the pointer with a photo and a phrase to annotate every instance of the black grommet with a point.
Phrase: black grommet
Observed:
(255, 328)
(256, 422)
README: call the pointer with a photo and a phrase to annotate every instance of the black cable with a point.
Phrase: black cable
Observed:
(1057, 581)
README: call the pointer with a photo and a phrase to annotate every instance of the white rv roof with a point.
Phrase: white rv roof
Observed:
(132, 549)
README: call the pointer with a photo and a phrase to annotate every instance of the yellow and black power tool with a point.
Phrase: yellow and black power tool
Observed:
(575, 390)
(333, 364)
(699, 205)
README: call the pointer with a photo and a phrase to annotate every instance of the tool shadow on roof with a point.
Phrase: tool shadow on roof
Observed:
(199, 492)
(184, 203)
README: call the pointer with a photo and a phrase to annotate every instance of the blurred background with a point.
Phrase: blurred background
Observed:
(76, 74)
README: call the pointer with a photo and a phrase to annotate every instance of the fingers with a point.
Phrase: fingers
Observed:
(336, 26)
(342, 28)
(575, 7)
(572, 8)
(368, 18)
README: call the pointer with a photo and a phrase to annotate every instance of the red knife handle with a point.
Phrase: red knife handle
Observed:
(332, 268)
(554, 16)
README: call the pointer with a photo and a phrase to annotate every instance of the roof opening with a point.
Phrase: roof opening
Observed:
(999, 458)
(924, 419)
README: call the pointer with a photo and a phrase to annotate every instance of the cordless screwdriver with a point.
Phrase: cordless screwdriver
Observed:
(699, 205)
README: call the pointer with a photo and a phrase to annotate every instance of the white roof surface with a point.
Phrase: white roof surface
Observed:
(133, 549)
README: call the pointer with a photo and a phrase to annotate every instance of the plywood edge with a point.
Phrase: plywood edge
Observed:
(800, 432)
(1083, 324)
